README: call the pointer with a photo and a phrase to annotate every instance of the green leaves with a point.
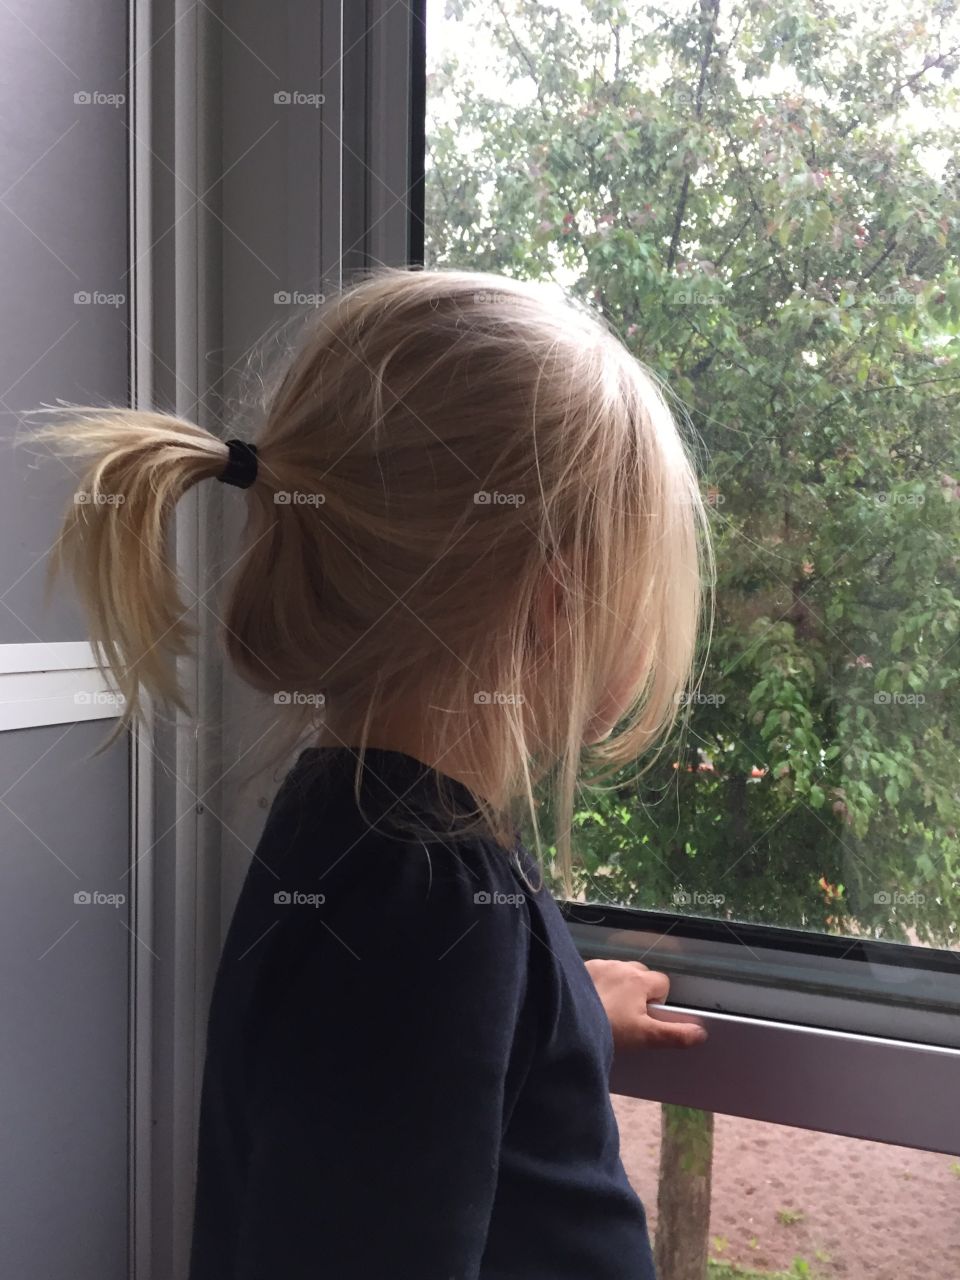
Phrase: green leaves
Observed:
(775, 238)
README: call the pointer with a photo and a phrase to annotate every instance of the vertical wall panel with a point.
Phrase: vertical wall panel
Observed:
(63, 263)
(64, 819)
(64, 948)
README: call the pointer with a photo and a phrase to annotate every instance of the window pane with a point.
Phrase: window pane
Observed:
(765, 203)
(782, 1202)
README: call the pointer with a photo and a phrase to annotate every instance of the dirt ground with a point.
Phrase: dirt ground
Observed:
(851, 1209)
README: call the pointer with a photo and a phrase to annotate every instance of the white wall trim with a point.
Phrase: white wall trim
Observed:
(63, 655)
(142, 1008)
(30, 699)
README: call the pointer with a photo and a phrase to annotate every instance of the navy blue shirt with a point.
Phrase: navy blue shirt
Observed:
(407, 1061)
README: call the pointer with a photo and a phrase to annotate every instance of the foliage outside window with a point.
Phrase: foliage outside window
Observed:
(764, 201)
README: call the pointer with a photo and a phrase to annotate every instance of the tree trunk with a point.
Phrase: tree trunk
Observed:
(683, 1198)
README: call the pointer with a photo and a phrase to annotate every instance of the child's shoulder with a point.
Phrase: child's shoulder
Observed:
(395, 828)
(336, 889)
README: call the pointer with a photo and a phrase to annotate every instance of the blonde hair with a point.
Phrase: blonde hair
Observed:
(441, 447)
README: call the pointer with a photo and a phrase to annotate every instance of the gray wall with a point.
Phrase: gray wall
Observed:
(64, 817)
(63, 1004)
(63, 232)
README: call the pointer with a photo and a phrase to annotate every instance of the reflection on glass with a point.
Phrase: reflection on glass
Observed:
(764, 202)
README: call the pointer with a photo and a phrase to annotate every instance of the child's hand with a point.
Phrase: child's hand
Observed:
(625, 988)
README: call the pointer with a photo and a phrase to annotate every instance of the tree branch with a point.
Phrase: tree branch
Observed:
(709, 12)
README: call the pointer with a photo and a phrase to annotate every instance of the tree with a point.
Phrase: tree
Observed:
(764, 201)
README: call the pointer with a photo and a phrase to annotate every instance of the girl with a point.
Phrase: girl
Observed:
(471, 566)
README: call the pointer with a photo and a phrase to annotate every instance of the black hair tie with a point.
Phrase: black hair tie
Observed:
(241, 469)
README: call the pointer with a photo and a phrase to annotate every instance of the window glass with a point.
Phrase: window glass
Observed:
(764, 201)
(781, 1203)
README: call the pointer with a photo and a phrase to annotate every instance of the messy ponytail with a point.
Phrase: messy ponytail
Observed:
(113, 539)
(443, 451)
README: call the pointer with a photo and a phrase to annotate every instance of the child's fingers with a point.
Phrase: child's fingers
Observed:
(656, 1034)
(655, 986)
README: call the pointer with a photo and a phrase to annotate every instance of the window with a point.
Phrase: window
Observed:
(763, 202)
(599, 143)
(770, 220)
(792, 1203)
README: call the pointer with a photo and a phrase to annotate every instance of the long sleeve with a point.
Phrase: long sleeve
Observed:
(407, 1067)
(385, 1074)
